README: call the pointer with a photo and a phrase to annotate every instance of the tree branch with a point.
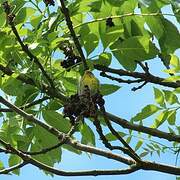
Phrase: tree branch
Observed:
(122, 16)
(65, 11)
(119, 80)
(143, 76)
(145, 165)
(31, 56)
(38, 101)
(43, 151)
(28, 159)
(150, 131)
(10, 169)
(129, 151)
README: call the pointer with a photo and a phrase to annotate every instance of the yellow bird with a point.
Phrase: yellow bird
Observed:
(88, 79)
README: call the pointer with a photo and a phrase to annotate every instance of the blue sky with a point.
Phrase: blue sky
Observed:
(126, 104)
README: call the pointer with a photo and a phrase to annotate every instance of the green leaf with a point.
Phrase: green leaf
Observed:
(87, 135)
(154, 22)
(138, 145)
(95, 6)
(54, 105)
(23, 14)
(170, 97)
(90, 42)
(44, 139)
(177, 90)
(160, 119)
(107, 89)
(170, 41)
(146, 112)
(174, 61)
(128, 140)
(35, 20)
(71, 149)
(115, 2)
(171, 117)
(111, 137)
(70, 84)
(109, 34)
(56, 120)
(136, 26)
(159, 97)
(176, 9)
(143, 154)
(14, 160)
(135, 48)
(171, 131)
(172, 79)
(12, 86)
(3, 17)
(104, 59)
(88, 36)
(1, 165)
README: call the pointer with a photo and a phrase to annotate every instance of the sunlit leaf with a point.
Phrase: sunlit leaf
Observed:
(146, 112)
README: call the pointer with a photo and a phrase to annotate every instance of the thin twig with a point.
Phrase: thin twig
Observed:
(139, 87)
(43, 86)
(3, 150)
(62, 141)
(119, 80)
(144, 67)
(103, 137)
(143, 76)
(122, 16)
(10, 169)
(36, 5)
(27, 105)
(31, 56)
(129, 151)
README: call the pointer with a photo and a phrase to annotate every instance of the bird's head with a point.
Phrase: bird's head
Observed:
(88, 73)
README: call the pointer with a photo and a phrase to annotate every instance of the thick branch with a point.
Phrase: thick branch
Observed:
(147, 77)
(28, 159)
(150, 131)
(88, 172)
(144, 165)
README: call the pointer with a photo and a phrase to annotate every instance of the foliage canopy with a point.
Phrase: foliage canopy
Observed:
(45, 46)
